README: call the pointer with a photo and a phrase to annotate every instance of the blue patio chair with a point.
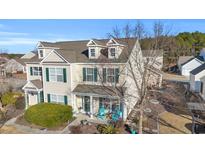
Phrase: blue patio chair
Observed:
(116, 115)
(101, 113)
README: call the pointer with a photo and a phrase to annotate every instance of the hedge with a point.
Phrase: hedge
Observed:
(48, 115)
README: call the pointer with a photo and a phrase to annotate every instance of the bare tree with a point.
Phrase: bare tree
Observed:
(140, 69)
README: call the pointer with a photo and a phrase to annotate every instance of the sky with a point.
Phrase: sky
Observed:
(21, 36)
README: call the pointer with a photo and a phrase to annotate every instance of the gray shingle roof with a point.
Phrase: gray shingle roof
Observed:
(77, 51)
(198, 69)
(99, 90)
(38, 83)
(183, 59)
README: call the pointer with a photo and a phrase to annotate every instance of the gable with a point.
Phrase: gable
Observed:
(53, 57)
(91, 42)
(112, 42)
(29, 85)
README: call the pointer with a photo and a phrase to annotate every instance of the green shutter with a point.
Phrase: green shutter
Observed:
(41, 97)
(64, 75)
(95, 74)
(65, 100)
(117, 75)
(31, 71)
(104, 74)
(49, 98)
(84, 74)
(47, 74)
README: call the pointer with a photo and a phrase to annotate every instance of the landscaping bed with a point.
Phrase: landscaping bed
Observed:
(47, 115)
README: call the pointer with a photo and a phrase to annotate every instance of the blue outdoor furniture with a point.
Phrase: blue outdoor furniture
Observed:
(101, 112)
(116, 115)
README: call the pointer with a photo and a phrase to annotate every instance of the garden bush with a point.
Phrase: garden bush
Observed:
(107, 129)
(9, 98)
(48, 115)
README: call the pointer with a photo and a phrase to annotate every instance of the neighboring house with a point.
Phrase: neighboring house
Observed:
(195, 78)
(28, 55)
(16, 65)
(183, 60)
(85, 74)
(202, 89)
(190, 65)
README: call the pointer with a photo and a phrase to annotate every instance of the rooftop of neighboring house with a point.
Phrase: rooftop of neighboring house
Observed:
(198, 58)
(198, 69)
(183, 59)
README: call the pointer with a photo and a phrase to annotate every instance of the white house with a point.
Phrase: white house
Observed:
(190, 65)
(86, 74)
(195, 78)
(182, 60)
(202, 89)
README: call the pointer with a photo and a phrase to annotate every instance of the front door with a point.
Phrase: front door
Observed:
(86, 104)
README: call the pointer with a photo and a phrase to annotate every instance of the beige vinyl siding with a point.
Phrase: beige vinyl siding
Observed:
(77, 73)
(32, 77)
(58, 88)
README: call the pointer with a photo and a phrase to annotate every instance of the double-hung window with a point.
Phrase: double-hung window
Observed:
(111, 75)
(57, 98)
(36, 71)
(56, 74)
(41, 53)
(92, 52)
(90, 74)
(112, 52)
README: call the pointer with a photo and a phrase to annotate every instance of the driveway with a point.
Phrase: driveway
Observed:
(175, 77)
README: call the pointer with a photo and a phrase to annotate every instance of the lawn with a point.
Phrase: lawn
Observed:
(48, 115)
(171, 123)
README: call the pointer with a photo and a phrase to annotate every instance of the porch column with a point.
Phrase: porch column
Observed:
(38, 97)
(91, 106)
(26, 99)
(75, 104)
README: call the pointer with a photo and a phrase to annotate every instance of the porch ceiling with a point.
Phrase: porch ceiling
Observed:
(99, 90)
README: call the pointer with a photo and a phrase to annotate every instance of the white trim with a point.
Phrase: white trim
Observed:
(116, 43)
(191, 61)
(56, 52)
(96, 45)
(30, 83)
(56, 81)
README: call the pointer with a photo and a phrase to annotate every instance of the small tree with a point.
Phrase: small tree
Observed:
(139, 68)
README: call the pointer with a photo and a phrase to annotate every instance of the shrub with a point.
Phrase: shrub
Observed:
(107, 129)
(9, 98)
(48, 115)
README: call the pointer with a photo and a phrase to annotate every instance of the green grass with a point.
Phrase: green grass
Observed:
(48, 115)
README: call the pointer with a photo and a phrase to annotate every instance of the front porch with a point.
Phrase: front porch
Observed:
(33, 93)
(97, 104)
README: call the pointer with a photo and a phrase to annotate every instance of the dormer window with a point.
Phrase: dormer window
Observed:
(112, 52)
(92, 52)
(41, 53)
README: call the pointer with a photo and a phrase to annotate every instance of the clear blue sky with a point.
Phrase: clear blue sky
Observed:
(21, 36)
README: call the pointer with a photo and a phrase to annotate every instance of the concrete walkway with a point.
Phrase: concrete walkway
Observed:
(11, 127)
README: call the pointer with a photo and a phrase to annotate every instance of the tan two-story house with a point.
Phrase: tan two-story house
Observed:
(84, 74)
